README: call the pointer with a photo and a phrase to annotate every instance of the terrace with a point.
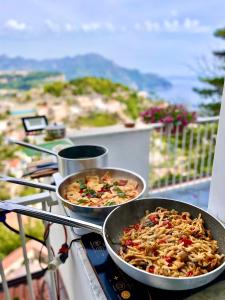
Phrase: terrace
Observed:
(185, 176)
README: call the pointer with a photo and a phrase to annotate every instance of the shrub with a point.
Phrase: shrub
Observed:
(172, 114)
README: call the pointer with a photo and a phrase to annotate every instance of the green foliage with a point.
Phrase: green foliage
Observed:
(56, 88)
(9, 240)
(28, 190)
(96, 120)
(220, 33)
(98, 85)
(4, 193)
(6, 151)
(215, 89)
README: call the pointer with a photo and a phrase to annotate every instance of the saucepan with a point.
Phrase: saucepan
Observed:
(96, 213)
(74, 158)
(130, 213)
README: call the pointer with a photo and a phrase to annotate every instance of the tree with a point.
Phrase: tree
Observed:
(215, 82)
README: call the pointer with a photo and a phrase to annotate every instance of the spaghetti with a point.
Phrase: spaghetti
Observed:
(169, 243)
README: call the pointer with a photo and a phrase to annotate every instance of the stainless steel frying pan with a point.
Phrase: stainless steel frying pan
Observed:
(126, 215)
(95, 213)
(74, 158)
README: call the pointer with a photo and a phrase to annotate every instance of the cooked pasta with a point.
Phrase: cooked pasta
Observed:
(169, 243)
(101, 191)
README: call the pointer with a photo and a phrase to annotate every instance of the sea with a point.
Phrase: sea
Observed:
(182, 92)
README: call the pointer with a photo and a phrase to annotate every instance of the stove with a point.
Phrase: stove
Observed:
(119, 286)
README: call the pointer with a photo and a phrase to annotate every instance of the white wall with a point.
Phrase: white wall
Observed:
(217, 188)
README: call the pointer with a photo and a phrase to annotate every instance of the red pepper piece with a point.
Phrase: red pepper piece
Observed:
(89, 195)
(168, 224)
(184, 217)
(155, 252)
(126, 229)
(136, 226)
(186, 242)
(190, 273)
(129, 243)
(154, 219)
(162, 241)
(151, 269)
(122, 182)
(170, 259)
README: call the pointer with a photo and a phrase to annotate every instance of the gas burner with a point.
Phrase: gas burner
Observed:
(119, 286)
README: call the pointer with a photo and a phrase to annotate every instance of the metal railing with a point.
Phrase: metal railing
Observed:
(181, 155)
(43, 199)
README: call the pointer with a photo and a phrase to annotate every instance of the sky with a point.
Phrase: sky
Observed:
(167, 37)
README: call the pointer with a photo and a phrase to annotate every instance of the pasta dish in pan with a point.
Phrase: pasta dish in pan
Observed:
(101, 191)
(169, 243)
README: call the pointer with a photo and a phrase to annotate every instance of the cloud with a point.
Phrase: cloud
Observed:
(194, 26)
(53, 26)
(152, 26)
(172, 25)
(15, 25)
(90, 27)
(70, 27)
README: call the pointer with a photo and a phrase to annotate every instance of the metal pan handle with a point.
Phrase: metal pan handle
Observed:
(50, 217)
(43, 186)
(12, 141)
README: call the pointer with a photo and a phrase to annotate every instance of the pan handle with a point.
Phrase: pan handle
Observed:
(34, 147)
(50, 217)
(43, 186)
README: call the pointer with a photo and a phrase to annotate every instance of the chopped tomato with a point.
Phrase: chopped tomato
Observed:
(155, 252)
(167, 223)
(190, 273)
(186, 242)
(136, 226)
(129, 243)
(170, 259)
(151, 269)
(162, 241)
(122, 182)
(89, 195)
(126, 229)
(154, 219)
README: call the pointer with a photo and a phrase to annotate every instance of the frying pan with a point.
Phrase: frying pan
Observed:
(95, 213)
(74, 158)
(131, 213)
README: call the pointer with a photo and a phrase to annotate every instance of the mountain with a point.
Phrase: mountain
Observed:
(88, 65)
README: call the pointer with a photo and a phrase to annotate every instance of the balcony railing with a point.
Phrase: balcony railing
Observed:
(42, 199)
(181, 155)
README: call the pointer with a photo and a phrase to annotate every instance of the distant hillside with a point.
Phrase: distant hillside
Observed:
(26, 80)
(88, 65)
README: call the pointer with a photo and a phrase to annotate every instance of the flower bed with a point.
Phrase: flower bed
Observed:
(172, 114)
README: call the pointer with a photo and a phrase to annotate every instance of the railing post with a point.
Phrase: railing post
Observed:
(4, 283)
(26, 260)
(52, 273)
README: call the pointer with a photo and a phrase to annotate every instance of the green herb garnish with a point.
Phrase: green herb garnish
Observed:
(120, 193)
(80, 201)
(90, 192)
(110, 203)
(107, 186)
(82, 184)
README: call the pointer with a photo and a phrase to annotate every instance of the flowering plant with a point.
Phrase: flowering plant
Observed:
(172, 114)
